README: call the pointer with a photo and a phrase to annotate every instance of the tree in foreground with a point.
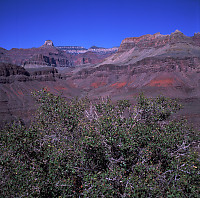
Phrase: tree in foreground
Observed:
(80, 148)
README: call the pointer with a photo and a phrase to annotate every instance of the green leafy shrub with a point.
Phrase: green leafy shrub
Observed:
(80, 148)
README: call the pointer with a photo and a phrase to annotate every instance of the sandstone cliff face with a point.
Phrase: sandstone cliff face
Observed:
(157, 40)
(44, 71)
(46, 55)
(10, 69)
(135, 49)
(10, 73)
(40, 60)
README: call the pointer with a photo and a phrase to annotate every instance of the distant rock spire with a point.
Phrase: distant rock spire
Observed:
(48, 43)
(177, 31)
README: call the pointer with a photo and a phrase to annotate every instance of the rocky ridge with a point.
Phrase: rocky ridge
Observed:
(82, 50)
(49, 55)
(135, 49)
(158, 40)
(42, 56)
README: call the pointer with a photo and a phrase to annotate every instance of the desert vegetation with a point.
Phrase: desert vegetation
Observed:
(83, 148)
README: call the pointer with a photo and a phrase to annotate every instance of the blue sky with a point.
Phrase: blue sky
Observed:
(104, 23)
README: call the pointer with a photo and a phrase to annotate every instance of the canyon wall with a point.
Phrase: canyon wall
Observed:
(153, 64)
(49, 55)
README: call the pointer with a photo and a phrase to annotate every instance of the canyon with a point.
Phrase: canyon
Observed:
(155, 64)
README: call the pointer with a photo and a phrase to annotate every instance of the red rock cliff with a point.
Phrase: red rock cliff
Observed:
(158, 40)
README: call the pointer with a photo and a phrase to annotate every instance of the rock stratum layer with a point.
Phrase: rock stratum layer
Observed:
(17, 85)
(175, 45)
(154, 64)
(35, 57)
(48, 55)
(145, 58)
